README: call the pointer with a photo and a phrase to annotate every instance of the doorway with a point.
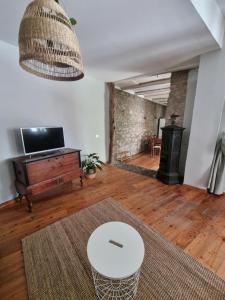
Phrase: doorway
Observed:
(139, 108)
(139, 111)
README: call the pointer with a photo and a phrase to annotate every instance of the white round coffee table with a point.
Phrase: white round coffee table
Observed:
(115, 251)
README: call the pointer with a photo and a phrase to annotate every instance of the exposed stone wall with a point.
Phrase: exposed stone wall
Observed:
(177, 97)
(188, 112)
(134, 119)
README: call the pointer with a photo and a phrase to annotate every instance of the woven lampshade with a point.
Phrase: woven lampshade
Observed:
(48, 44)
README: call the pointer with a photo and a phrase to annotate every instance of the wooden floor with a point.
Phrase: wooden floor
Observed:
(190, 218)
(144, 160)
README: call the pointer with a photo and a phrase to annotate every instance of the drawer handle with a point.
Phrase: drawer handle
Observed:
(115, 243)
(60, 180)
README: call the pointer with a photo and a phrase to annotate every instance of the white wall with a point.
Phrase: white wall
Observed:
(208, 107)
(213, 18)
(26, 100)
(222, 124)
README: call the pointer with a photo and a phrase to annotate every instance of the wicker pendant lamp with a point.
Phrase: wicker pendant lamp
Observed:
(48, 44)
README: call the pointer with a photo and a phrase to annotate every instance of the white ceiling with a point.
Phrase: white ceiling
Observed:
(151, 87)
(124, 38)
(154, 88)
(222, 5)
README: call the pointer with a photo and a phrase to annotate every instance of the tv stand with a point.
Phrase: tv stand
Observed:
(40, 173)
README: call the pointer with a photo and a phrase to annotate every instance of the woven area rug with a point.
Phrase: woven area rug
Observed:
(136, 169)
(57, 267)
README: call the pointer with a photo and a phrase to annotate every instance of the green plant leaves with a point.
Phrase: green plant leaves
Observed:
(91, 162)
(73, 21)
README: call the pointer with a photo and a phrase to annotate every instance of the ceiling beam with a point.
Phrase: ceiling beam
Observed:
(150, 77)
(147, 84)
(154, 92)
(159, 98)
(156, 96)
(157, 102)
(152, 88)
(185, 67)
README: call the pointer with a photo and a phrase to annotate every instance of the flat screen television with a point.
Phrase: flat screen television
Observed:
(41, 139)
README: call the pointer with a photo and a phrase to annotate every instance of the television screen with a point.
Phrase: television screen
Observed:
(40, 139)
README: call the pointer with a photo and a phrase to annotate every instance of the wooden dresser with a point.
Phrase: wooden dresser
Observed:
(43, 172)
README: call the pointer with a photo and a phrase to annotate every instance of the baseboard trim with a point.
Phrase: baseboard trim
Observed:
(195, 187)
(8, 203)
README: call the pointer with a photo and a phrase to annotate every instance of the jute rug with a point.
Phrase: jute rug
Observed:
(57, 267)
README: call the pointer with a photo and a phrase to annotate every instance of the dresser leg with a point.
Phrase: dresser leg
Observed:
(19, 198)
(29, 203)
(81, 181)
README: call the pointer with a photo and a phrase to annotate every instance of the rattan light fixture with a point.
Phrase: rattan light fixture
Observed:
(48, 44)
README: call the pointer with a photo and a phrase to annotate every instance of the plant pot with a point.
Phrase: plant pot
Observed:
(91, 174)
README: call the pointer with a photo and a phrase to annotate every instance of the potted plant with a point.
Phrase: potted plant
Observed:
(90, 164)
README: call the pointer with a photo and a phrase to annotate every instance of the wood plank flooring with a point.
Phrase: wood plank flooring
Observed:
(144, 160)
(189, 217)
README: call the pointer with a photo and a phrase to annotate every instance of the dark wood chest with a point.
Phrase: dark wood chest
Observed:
(40, 173)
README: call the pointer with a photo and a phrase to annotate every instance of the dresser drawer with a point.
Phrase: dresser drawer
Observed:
(43, 186)
(52, 183)
(45, 169)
